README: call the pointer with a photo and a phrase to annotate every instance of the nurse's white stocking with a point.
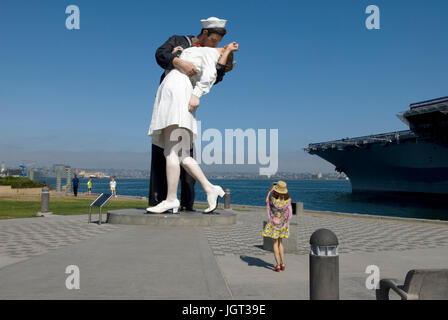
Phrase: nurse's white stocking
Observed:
(193, 169)
(172, 163)
(177, 152)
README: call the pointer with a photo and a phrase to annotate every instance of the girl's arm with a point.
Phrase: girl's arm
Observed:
(289, 213)
(269, 193)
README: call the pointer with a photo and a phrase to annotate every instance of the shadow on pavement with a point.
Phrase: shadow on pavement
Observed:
(251, 261)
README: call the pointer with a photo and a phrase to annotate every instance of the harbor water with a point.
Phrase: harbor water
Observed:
(322, 195)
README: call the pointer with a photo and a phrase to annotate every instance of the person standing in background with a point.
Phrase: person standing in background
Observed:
(75, 185)
(89, 186)
(113, 186)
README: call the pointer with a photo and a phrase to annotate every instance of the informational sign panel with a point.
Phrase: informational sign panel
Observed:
(101, 200)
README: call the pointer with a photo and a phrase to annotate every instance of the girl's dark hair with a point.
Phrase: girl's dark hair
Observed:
(282, 196)
(220, 31)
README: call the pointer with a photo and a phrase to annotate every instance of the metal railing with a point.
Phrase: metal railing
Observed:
(390, 137)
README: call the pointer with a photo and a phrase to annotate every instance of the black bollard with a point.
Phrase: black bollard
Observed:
(227, 199)
(297, 207)
(324, 265)
(45, 200)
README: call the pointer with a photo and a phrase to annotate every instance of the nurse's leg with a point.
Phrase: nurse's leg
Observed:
(193, 169)
(171, 151)
(189, 163)
(182, 150)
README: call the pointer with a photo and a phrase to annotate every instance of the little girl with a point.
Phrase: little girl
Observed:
(280, 212)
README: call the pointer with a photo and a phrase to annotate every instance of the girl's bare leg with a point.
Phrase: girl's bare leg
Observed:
(282, 250)
(276, 254)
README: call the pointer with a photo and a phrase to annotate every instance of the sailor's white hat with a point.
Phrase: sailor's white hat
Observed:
(213, 22)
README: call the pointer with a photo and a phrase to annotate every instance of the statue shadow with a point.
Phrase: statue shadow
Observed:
(257, 262)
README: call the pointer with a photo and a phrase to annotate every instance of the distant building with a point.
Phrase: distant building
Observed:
(14, 172)
(92, 174)
(58, 166)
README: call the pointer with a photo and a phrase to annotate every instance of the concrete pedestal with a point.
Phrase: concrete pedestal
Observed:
(183, 219)
(290, 244)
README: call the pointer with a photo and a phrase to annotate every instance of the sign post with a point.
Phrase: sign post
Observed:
(99, 202)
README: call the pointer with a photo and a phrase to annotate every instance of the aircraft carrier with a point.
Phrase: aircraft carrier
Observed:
(410, 161)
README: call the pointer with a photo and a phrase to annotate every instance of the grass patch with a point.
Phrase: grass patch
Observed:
(12, 208)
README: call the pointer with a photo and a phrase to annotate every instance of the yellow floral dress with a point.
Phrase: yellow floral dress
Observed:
(280, 213)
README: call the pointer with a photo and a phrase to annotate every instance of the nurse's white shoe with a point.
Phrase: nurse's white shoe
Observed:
(165, 205)
(212, 199)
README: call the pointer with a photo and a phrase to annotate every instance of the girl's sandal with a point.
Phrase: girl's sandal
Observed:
(277, 268)
(283, 267)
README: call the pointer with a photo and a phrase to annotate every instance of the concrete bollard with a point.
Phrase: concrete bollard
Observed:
(227, 199)
(45, 203)
(299, 207)
(45, 200)
(324, 265)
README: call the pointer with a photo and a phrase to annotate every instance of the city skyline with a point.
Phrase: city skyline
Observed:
(141, 161)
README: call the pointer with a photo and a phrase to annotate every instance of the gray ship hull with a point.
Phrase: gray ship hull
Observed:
(411, 161)
(410, 166)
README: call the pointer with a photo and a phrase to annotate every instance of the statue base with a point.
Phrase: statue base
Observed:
(182, 219)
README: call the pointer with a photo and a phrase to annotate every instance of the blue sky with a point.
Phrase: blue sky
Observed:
(309, 68)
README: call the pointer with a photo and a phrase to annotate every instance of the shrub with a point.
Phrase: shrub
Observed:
(20, 182)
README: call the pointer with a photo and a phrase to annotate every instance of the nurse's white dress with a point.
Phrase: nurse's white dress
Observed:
(174, 93)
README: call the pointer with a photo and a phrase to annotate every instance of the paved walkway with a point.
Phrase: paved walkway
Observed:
(23, 238)
(355, 234)
(139, 262)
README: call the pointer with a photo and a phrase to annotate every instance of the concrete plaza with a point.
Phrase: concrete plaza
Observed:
(225, 262)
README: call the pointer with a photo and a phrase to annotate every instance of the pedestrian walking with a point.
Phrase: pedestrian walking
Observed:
(75, 185)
